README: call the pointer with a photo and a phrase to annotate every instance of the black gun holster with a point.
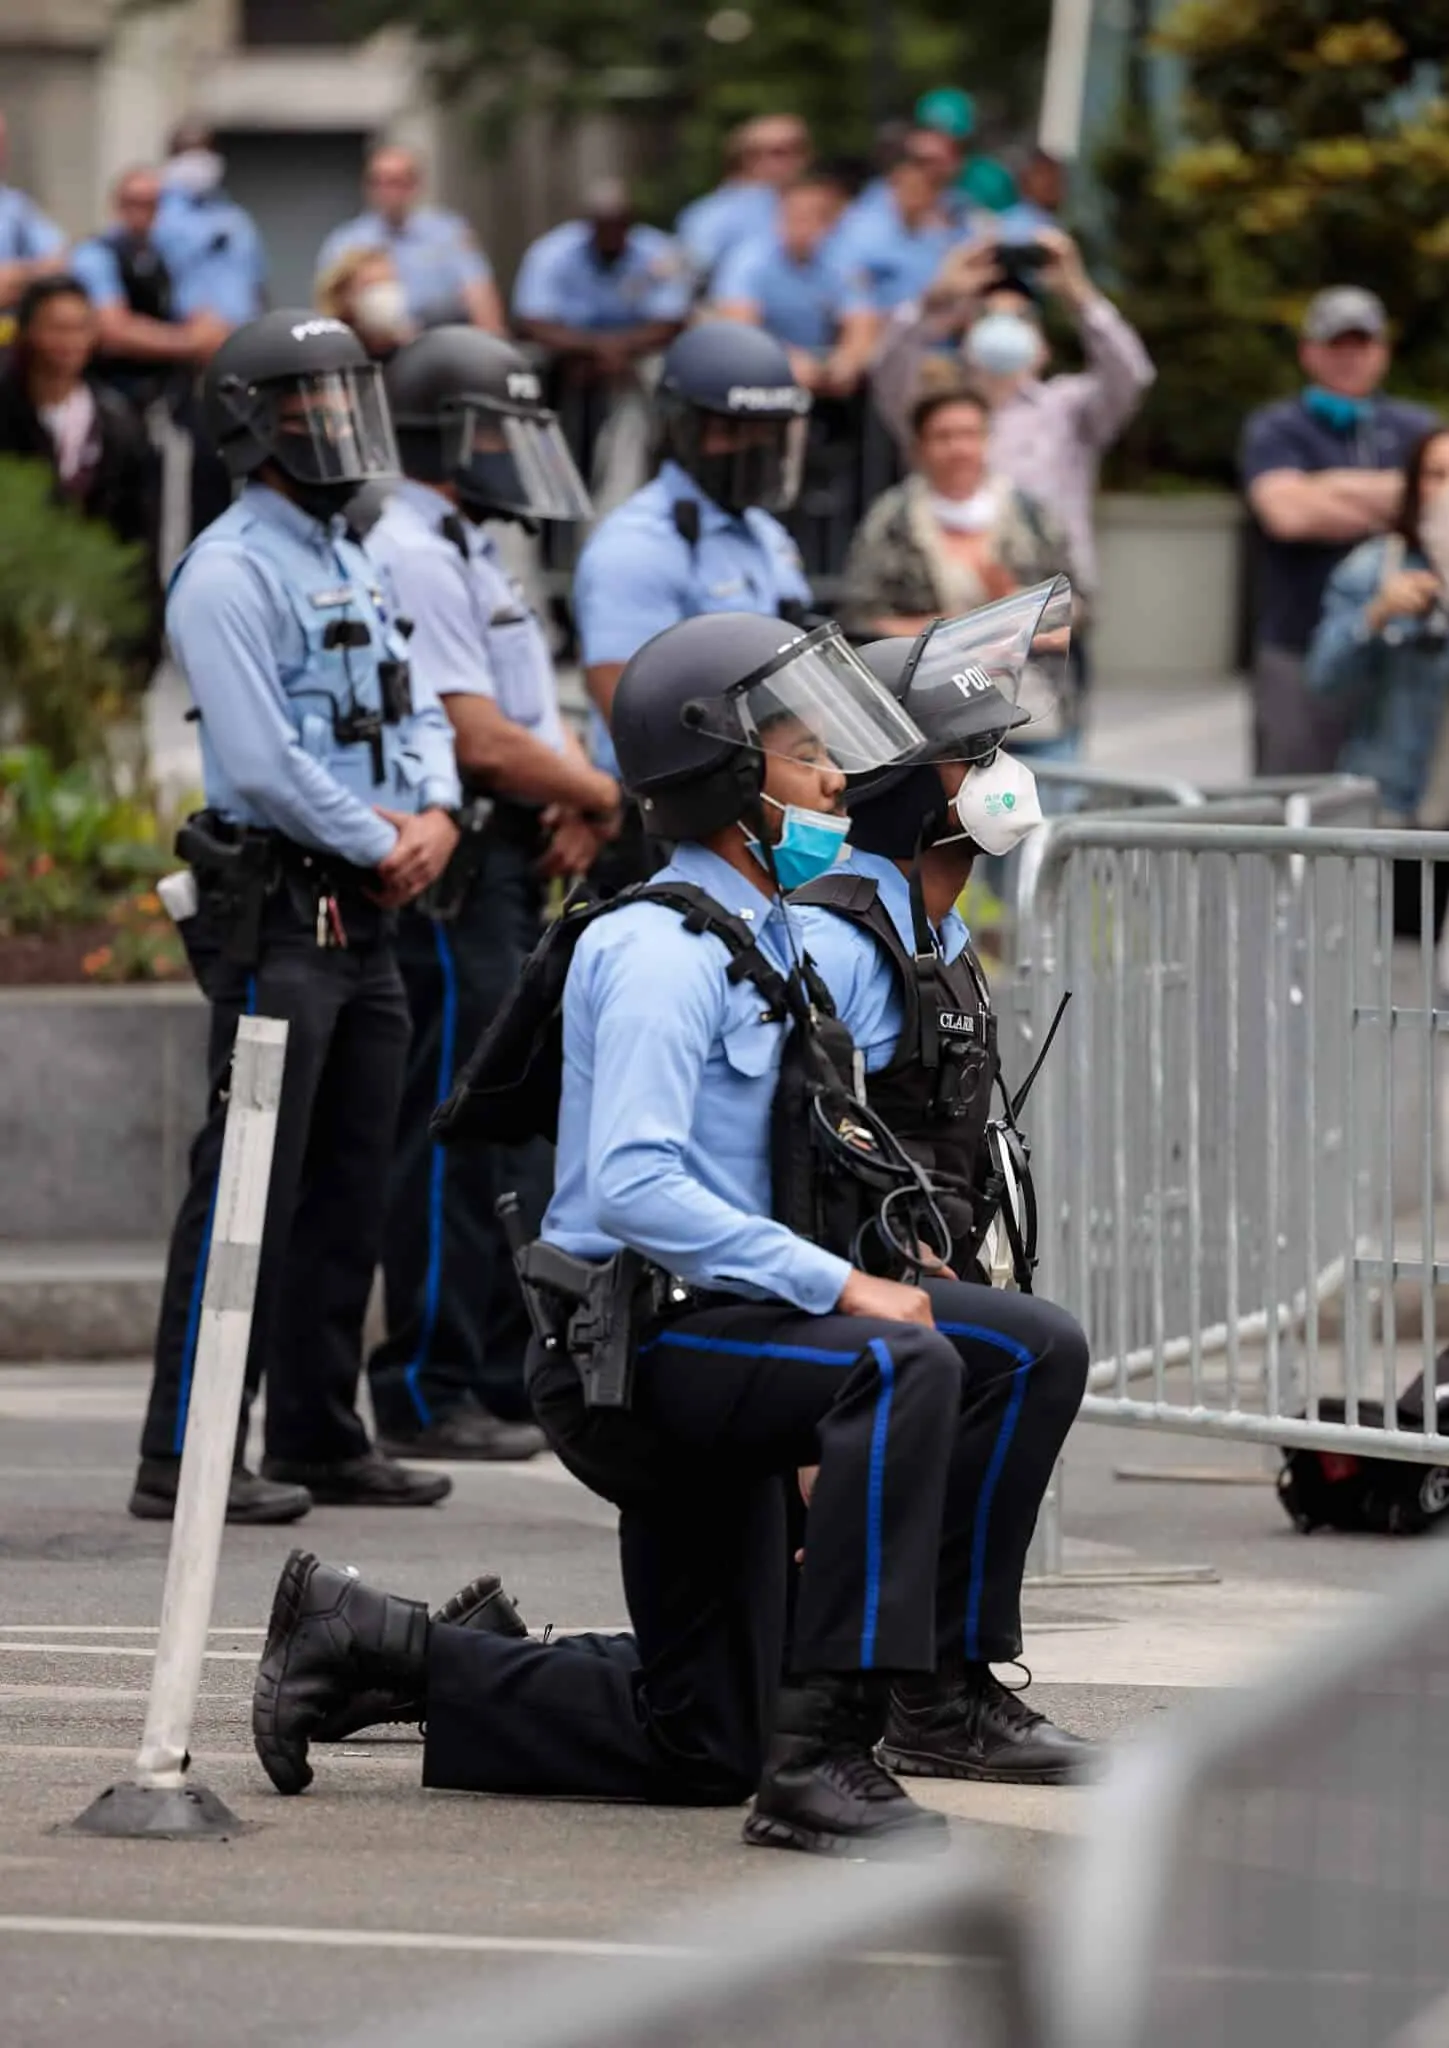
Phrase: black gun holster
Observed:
(598, 1312)
(236, 873)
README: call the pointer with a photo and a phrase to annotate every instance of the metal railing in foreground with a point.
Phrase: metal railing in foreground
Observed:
(930, 1954)
(1273, 1870)
(1240, 1123)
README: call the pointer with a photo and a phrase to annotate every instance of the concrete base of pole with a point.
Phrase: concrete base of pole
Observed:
(161, 1813)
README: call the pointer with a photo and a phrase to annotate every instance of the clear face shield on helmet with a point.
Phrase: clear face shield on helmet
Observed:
(815, 703)
(739, 461)
(975, 681)
(513, 461)
(331, 428)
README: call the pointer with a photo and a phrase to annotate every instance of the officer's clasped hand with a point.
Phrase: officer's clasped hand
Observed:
(424, 846)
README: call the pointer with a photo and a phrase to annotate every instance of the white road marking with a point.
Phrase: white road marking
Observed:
(397, 1938)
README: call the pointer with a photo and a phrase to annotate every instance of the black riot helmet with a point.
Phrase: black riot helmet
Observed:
(298, 390)
(732, 415)
(702, 703)
(959, 681)
(469, 412)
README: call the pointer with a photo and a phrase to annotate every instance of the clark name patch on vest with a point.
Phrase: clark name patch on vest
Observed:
(956, 1024)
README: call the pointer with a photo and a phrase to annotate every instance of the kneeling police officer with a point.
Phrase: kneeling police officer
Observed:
(477, 444)
(933, 1412)
(928, 1035)
(330, 791)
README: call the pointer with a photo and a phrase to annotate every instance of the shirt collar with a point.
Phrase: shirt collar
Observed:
(271, 506)
(428, 503)
(695, 863)
(895, 895)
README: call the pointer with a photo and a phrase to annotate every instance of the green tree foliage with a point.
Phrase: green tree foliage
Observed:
(1314, 150)
(839, 63)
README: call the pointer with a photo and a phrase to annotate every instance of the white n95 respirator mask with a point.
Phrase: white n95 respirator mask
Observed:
(998, 805)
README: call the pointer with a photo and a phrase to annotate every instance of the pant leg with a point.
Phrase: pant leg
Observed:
(291, 980)
(677, 1715)
(1295, 731)
(1025, 1366)
(336, 1239)
(456, 1320)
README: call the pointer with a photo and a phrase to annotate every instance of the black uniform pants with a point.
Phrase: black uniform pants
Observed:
(934, 1447)
(346, 1044)
(456, 1320)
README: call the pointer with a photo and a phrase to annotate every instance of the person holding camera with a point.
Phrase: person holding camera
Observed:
(1048, 433)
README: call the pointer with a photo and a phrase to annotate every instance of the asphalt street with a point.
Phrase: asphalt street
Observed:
(366, 1897)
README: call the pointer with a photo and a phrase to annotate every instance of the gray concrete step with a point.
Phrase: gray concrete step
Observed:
(79, 1301)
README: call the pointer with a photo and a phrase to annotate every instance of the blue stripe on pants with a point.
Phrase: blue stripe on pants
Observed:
(432, 1287)
(874, 1500)
(198, 1284)
(981, 1526)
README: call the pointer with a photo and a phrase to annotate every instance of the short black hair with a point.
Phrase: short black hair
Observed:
(40, 291)
(931, 402)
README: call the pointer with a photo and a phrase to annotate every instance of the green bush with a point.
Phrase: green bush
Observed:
(72, 599)
(1311, 153)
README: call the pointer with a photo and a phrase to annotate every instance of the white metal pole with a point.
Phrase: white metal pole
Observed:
(211, 1422)
(1059, 131)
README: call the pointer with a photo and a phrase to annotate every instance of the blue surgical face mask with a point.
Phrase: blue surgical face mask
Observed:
(809, 845)
(1002, 344)
(1335, 411)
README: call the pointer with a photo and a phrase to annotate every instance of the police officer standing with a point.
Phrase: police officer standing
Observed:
(701, 536)
(934, 1412)
(476, 444)
(331, 794)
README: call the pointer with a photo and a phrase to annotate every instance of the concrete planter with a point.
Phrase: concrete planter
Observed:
(1170, 587)
(101, 1091)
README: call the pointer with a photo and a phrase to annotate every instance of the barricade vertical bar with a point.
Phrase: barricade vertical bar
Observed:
(1352, 1292)
(1156, 969)
(1427, 1254)
(1310, 1132)
(1083, 1030)
(1194, 1131)
(1388, 1306)
(1234, 1114)
(158, 1800)
(1121, 1240)
(1280, 890)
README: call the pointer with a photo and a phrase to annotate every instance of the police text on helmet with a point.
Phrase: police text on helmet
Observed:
(767, 398)
(972, 680)
(308, 330)
(523, 386)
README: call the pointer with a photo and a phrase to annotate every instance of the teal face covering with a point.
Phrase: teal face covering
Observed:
(1333, 410)
(809, 845)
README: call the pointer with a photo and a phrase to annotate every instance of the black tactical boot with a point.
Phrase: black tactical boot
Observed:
(330, 1638)
(966, 1724)
(481, 1604)
(822, 1789)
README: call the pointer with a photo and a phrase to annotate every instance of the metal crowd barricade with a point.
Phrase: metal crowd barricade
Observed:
(930, 1954)
(1219, 1138)
(1273, 1868)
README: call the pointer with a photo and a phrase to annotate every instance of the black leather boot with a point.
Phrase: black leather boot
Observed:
(822, 1789)
(965, 1723)
(481, 1604)
(330, 1638)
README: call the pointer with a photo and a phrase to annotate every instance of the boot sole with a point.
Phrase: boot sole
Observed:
(289, 1772)
(416, 1454)
(905, 1763)
(763, 1831)
(151, 1507)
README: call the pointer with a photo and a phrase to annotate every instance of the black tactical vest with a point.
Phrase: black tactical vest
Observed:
(935, 1093)
(146, 283)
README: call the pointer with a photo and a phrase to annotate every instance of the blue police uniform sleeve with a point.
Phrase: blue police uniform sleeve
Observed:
(336, 244)
(94, 265)
(649, 1061)
(445, 651)
(626, 589)
(739, 274)
(470, 265)
(849, 285)
(40, 238)
(860, 979)
(222, 622)
(430, 736)
(668, 296)
(536, 294)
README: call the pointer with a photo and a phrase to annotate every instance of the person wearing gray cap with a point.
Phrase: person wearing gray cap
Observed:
(1322, 472)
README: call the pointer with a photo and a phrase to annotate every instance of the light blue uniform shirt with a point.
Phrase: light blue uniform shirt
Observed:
(801, 304)
(710, 227)
(26, 234)
(638, 574)
(214, 254)
(669, 1075)
(94, 264)
(895, 263)
(473, 632)
(562, 278)
(247, 614)
(433, 253)
(853, 967)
